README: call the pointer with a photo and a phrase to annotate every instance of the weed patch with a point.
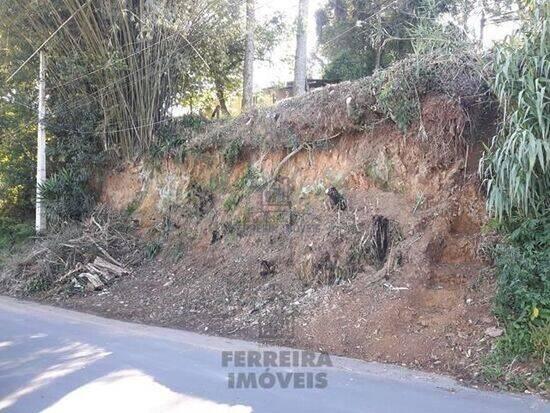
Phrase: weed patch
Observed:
(233, 152)
(250, 181)
(13, 232)
(522, 302)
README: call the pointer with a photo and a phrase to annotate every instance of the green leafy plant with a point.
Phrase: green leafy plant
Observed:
(522, 301)
(132, 207)
(517, 166)
(523, 265)
(39, 284)
(199, 199)
(231, 202)
(516, 169)
(172, 137)
(152, 249)
(250, 181)
(233, 152)
(66, 197)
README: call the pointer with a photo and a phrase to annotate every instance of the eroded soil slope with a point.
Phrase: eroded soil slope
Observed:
(316, 223)
(243, 254)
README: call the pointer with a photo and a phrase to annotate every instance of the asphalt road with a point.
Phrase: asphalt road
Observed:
(56, 360)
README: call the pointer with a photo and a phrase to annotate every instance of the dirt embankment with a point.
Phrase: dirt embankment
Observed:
(315, 223)
(250, 245)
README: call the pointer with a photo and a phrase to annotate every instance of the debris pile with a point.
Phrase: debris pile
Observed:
(94, 276)
(86, 256)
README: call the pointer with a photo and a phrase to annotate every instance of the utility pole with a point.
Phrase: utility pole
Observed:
(41, 145)
(300, 63)
(248, 72)
(40, 223)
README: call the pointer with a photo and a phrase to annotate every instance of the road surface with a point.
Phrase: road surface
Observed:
(56, 360)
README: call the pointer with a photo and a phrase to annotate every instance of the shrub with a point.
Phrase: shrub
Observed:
(522, 301)
(250, 181)
(399, 89)
(172, 137)
(152, 249)
(523, 264)
(232, 152)
(75, 155)
(516, 171)
(13, 232)
(66, 197)
(16, 172)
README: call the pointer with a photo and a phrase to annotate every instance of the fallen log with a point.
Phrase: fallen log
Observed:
(93, 280)
(101, 263)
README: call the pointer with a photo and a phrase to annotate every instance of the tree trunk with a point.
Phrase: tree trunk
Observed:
(221, 99)
(378, 56)
(380, 44)
(248, 71)
(300, 63)
(482, 28)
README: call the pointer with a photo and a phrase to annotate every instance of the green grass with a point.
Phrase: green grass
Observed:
(132, 207)
(152, 249)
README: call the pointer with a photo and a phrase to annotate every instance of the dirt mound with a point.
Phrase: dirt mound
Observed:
(255, 242)
(347, 220)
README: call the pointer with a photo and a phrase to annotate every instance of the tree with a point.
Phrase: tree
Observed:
(300, 62)
(17, 119)
(359, 36)
(219, 71)
(133, 56)
(248, 71)
(495, 10)
(107, 85)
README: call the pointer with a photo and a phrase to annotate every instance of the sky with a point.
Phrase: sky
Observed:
(280, 69)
